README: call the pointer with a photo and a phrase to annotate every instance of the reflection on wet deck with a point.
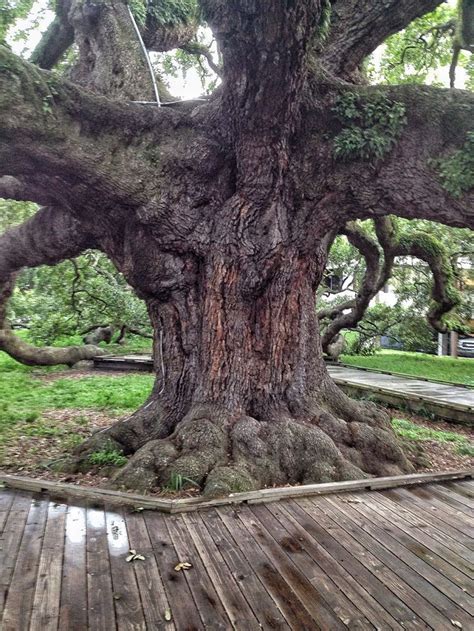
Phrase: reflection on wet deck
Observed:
(396, 559)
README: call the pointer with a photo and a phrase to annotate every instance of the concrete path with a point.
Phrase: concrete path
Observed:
(417, 394)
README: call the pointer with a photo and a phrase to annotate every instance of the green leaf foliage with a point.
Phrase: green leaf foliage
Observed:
(370, 126)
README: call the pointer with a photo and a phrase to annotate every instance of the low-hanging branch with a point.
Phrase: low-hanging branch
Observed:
(49, 237)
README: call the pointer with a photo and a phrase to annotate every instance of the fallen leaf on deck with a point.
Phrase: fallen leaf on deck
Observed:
(133, 555)
(167, 615)
(457, 624)
(184, 565)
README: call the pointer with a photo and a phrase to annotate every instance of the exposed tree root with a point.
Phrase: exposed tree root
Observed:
(223, 453)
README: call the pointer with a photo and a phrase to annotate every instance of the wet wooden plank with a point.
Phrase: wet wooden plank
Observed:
(429, 601)
(460, 568)
(269, 573)
(6, 500)
(461, 488)
(344, 582)
(384, 586)
(10, 541)
(236, 606)
(456, 518)
(21, 592)
(73, 607)
(456, 500)
(183, 608)
(153, 595)
(210, 608)
(265, 608)
(326, 593)
(417, 556)
(45, 611)
(436, 518)
(128, 609)
(100, 603)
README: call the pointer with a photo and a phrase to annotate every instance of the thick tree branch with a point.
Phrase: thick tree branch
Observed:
(53, 132)
(418, 244)
(359, 27)
(408, 181)
(49, 237)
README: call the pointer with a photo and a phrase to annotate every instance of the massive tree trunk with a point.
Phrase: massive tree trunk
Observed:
(220, 215)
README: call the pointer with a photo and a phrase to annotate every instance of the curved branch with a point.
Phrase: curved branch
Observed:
(359, 27)
(375, 277)
(47, 238)
(419, 244)
(444, 294)
(31, 355)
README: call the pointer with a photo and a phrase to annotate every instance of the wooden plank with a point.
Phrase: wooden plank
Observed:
(456, 518)
(128, 609)
(154, 599)
(432, 603)
(73, 607)
(423, 547)
(236, 607)
(6, 500)
(421, 530)
(384, 586)
(294, 543)
(211, 610)
(454, 499)
(10, 541)
(345, 582)
(58, 489)
(101, 611)
(92, 494)
(265, 608)
(293, 572)
(183, 608)
(461, 488)
(427, 511)
(269, 573)
(21, 592)
(45, 611)
(418, 557)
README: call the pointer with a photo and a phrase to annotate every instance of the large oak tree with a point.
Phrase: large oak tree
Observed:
(220, 214)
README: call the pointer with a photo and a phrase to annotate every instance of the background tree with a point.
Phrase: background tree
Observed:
(220, 215)
(423, 261)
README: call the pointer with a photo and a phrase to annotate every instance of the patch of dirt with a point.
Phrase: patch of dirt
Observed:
(437, 456)
(443, 457)
(36, 449)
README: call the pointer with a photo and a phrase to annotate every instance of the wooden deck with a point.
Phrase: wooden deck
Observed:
(392, 559)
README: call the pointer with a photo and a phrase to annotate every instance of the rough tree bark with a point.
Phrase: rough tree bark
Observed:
(220, 214)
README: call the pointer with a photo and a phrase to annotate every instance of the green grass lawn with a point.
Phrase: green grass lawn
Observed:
(24, 395)
(410, 431)
(418, 364)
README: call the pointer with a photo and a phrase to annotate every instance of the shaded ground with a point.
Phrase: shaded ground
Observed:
(38, 446)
